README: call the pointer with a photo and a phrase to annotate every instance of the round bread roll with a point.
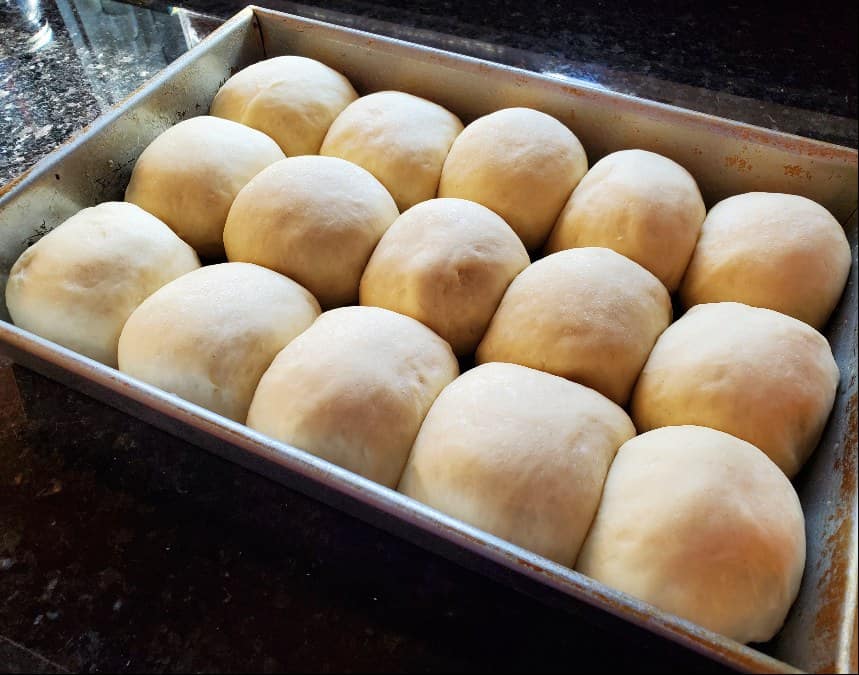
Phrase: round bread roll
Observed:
(210, 335)
(190, 175)
(782, 252)
(637, 203)
(518, 453)
(354, 389)
(587, 314)
(446, 263)
(753, 373)
(702, 525)
(314, 219)
(399, 138)
(293, 99)
(519, 162)
(79, 283)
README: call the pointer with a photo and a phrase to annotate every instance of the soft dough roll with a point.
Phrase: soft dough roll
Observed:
(518, 453)
(519, 162)
(399, 138)
(79, 283)
(209, 336)
(446, 263)
(640, 204)
(293, 99)
(588, 314)
(354, 389)
(703, 525)
(782, 252)
(190, 175)
(314, 219)
(756, 374)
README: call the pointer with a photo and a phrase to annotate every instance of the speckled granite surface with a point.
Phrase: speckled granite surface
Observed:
(793, 70)
(122, 548)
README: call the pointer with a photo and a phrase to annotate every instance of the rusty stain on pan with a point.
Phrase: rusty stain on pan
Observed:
(471, 87)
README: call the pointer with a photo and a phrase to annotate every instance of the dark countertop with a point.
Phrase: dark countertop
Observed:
(123, 548)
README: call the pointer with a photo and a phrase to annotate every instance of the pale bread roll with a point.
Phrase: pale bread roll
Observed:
(209, 336)
(518, 453)
(519, 162)
(190, 175)
(756, 374)
(293, 99)
(637, 203)
(702, 525)
(446, 263)
(588, 314)
(354, 389)
(314, 219)
(399, 138)
(79, 283)
(782, 252)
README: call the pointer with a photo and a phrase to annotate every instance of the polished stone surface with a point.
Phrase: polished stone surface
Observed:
(788, 70)
(123, 548)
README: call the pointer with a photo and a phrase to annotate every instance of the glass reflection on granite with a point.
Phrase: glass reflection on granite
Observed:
(91, 54)
(32, 31)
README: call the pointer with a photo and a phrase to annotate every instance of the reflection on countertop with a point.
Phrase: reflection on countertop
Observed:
(64, 62)
(123, 548)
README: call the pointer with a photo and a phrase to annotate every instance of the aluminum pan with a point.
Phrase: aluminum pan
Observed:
(725, 157)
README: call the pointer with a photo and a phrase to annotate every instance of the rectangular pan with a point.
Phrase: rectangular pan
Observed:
(725, 157)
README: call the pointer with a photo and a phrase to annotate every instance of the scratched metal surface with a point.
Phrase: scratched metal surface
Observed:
(725, 157)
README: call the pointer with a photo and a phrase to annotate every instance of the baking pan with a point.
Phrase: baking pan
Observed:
(725, 157)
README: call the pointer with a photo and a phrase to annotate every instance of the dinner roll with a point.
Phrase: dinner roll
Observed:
(782, 252)
(293, 99)
(587, 314)
(354, 389)
(702, 525)
(189, 176)
(519, 162)
(399, 138)
(79, 283)
(314, 219)
(518, 453)
(754, 373)
(637, 203)
(446, 263)
(209, 336)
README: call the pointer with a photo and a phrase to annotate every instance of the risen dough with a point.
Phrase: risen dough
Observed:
(639, 204)
(754, 373)
(314, 219)
(399, 138)
(79, 283)
(190, 175)
(519, 162)
(293, 99)
(703, 525)
(209, 336)
(588, 314)
(518, 453)
(354, 389)
(783, 252)
(446, 263)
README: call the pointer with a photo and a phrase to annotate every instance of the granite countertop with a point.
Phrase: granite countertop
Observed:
(123, 548)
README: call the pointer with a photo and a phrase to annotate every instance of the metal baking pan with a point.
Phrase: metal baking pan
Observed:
(726, 158)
